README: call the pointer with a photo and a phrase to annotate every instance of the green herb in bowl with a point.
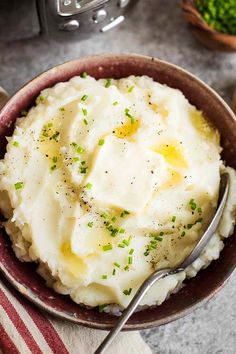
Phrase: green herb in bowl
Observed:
(220, 15)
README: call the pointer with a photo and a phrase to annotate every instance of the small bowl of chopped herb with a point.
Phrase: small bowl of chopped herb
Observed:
(213, 22)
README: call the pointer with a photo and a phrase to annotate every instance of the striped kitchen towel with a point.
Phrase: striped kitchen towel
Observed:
(25, 329)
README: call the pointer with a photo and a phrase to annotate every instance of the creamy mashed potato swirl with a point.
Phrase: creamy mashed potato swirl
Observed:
(105, 181)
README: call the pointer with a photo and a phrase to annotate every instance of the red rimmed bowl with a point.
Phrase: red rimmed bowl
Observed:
(198, 289)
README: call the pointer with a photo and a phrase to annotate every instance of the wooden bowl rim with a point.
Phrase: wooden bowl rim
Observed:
(203, 25)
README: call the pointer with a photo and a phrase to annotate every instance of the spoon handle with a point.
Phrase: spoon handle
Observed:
(131, 307)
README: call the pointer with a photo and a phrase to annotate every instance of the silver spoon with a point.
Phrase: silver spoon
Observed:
(224, 189)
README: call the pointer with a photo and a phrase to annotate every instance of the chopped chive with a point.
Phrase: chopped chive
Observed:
(54, 159)
(123, 213)
(73, 144)
(115, 103)
(104, 276)
(83, 170)
(84, 97)
(130, 260)
(113, 272)
(199, 210)
(114, 219)
(75, 159)
(84, 75)
(183, 234)
(107, 247)
(192, 204)
(55, 136)
(62, 109)
(114, 232)
(127, 291)
(83, 163)
(24, 113)
(161, 233)
(16, 144)
(131, 251)
(101, 142)
(125, 242)
(41, 98)
(85, 112)
(108, 83)
(50, 125)
(129, 115)
(120, 245)
(121, 231)
(130, 89)
(126, 267)
(173, 218)
(101, 308)
(116, 264)
(18, 185)
(158, 238)
(80, 150)
(53, 167)
(109, 226)
(90, 224)
(88, 185)
(146, 253)
(189, 226)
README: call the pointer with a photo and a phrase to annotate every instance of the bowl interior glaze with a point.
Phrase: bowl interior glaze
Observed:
(208, 281)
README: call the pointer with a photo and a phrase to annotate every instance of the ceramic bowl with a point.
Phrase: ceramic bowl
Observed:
(204, 33)
(207, 282)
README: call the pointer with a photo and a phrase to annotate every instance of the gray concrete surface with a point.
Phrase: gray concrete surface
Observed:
(156, 28)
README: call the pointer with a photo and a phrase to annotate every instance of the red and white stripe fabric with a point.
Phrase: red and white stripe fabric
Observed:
(25, 329)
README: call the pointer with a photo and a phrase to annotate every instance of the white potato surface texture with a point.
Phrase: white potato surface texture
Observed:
(106, 180)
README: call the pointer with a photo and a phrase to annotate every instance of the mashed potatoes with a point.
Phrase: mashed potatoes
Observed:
(105, 181)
